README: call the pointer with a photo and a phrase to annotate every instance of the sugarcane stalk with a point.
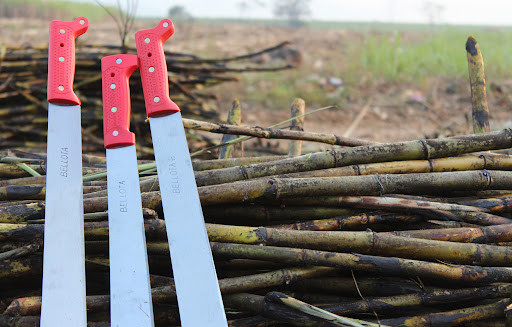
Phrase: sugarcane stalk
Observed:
(22, 251)
(477, 82)
(366, 243)
(21, 267)
(374, 202)
(33, 192)
(411, 150)
(167, 294)
(21, 212)
(23, 181)
(224, 163)
(28, 321)
(466, 162)
(280, 298)
(273, 189)
(499, 204)
(350, 287)
(358, 118)
(479, 218)
(454, 317)
(435, 297)
(270, 279)
(234, 118)
(297, 109)
(260, 214)
(351, 221)
(483, 235)
(366, 263)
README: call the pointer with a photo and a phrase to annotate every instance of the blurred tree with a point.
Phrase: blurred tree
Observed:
(295, 11)
(124, 18)
(433, 11)
(244, 6)
(179, 13)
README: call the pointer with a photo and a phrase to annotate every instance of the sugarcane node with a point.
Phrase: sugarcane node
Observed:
(262, 234)
(275, 297)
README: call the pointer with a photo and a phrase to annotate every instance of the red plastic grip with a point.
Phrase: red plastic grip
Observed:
(116, 71)
(61, 59)
(153, 68)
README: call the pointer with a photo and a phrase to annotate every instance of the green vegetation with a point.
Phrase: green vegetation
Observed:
(50, 9)
(429, 54)
(376, 53)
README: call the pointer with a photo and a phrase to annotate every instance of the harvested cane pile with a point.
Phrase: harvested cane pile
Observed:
(23, 107)
(413, 233)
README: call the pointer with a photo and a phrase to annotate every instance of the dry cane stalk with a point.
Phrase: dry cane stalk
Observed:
(411, 150)
(365, 263)
(298, 108)
(225, 163)
(367, 243)
(477, 82)
(167, 294)
(452, 318)
(467, 162)
(234, 118)
(276, 188)
(272, 133)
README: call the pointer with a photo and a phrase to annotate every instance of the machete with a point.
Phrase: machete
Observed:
(63, 295)
(130, 289)
(197, 287)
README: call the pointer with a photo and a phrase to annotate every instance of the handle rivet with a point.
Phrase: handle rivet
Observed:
(147, 40)
(112, 86)
(166, 24)
(82, 21)
(114, 109)
(62, 31)
(61, 59)
(156, 99)
(115, 133)
(119, 60)
(61, 88)
(151, 69)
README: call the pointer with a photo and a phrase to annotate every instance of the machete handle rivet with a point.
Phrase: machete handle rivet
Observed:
(119, 60)
(115, 133)
(61, 88)
(61, 59)
(166, 24)
(151, 69)
(114, 109)
(156, 99)
(62, 31)
(147, 40)
(82, 21)
(112, 86)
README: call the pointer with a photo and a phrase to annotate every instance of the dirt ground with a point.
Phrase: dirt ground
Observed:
(436, 107)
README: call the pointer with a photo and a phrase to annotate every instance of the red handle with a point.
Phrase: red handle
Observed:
(153, 68)
(61, 59)
(116, 71)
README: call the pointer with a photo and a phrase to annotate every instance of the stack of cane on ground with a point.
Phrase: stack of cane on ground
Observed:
(413, 233)
(24, 110)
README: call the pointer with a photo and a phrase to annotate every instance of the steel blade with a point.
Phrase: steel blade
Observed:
(64, 253)
(130, 289)
(197, 288)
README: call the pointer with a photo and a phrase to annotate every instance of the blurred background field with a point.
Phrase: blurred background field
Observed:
(412, 77)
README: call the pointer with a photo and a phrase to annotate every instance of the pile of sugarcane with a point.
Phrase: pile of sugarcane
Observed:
(413, 233)
(23, 108)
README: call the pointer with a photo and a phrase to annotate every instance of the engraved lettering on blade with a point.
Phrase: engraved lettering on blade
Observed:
(123, 202)
(64, 161)
(173, 172)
